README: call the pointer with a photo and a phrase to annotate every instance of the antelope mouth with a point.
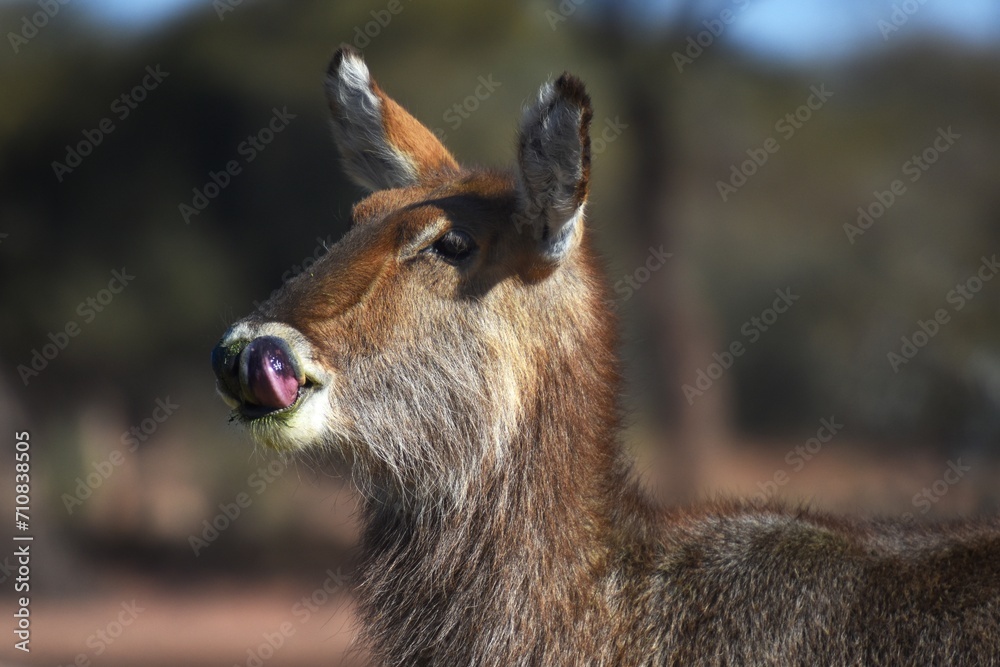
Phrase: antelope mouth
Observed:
(262, 378)
(249, 412)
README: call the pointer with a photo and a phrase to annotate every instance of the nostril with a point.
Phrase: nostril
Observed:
(268, 373)
(219, 361)
(224, 363)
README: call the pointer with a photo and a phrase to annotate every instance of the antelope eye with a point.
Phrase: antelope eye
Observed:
(454, 246)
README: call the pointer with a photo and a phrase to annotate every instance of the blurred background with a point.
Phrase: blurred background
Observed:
(798, 203)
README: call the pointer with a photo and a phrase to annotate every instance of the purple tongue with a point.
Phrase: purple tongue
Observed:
(270, 375)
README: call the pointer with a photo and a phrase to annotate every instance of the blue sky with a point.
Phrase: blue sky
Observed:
(785, 29)
(140, 12)
(817, 28)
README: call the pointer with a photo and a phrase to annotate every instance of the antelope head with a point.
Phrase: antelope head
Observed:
(459, 305)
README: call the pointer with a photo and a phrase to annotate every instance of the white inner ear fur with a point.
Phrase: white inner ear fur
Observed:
(551, 169)
(368, 155)
(563, 239)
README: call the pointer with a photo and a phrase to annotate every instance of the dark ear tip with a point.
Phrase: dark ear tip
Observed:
(573, 89)
(338, 57)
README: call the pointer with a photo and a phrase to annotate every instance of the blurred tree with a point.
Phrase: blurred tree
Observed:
(675, 327)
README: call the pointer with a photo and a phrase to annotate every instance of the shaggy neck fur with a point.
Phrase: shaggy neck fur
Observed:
(509, 578)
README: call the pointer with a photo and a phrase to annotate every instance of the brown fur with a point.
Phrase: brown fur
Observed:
(476, 408)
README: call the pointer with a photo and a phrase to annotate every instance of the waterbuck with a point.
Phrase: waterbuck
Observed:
(456, 353)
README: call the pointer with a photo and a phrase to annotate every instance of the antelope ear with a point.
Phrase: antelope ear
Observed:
(382, 145)
(553, 158)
